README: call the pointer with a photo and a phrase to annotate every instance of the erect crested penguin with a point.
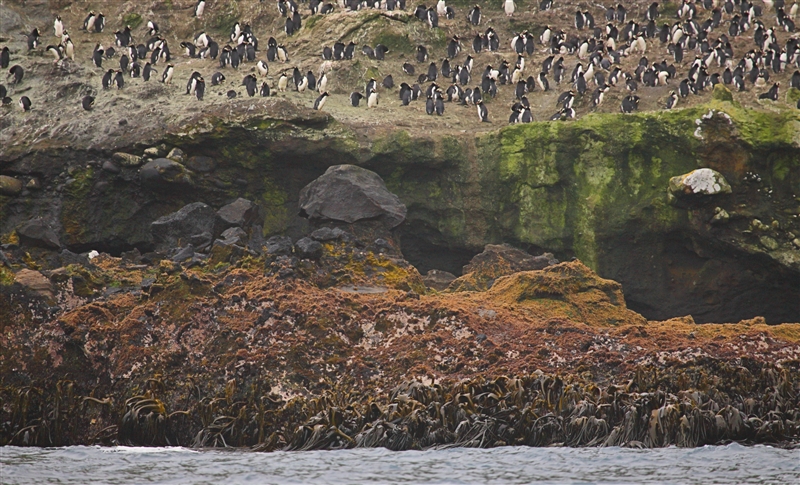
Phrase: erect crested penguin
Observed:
(166, 77)
(146, 71)
(152, 28)
(474, 15)
(88, 22)
(99, 23)
(25, 103)
(630, 103)
(192, 83)
(251, 84)
(97, 55)
(772, 93)
(283, 82)
(483, 113)
(566, 99)
(372, 99)
(108, 78)
(320, 101)
(199, 8)
(263, 68)
(58, 27)
(264, 91)
(508, 6)
(322, 84)
(672, 100)
(200, 88)
(356, 97)
(87, 102)
(119, 79)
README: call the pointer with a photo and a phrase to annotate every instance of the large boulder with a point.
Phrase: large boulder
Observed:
(178, 228)
(162, 172)
(495, 261)
(697, 184)
(346, 193)
(34, 282)
(239, 213)
(9, 185)
(37, 232)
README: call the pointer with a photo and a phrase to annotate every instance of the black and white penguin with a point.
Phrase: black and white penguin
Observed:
(33, 39)
(453, 47)
(483, 113)
(263, 68)
(56, 52)
(356, 97)
(439, 104)
(772, 94)
(200, 88)
(25, 103)
(322, 84)
(87, 102)
(152, 28)
(58, 27)
(672, 100)
(108, 78)
(388, 82)
(599, 93)
(97, 56)
(566, 99)
(88, 22)
(320, 101)
(372, 85)
(199, 8)
(381, 51)
(146, 71)
(191, 84)
(474, 15)
(99, 23)
(630, 104)
(283, 82)
(119, 79)
(264, 91)
(3, 91)
(430, 105)
(250, 83)
(124, 62)
(433, 72)
(166, 77)
(544, 84)
(217, 78)
(5, 57)
(282, 54)
(372, 99)
(422, 53)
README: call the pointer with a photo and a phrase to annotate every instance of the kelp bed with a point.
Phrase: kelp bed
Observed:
(699, 404)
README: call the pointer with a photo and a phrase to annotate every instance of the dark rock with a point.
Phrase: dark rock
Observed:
(151, 258)
(234, 235)
(174, 229)
(202, 240)
(126, 159)
(324, 234)
(147, 283)
(132, 257)
(9, 185)
(162, 172)
(67, 257)
(308, 248)
(35, 282)
(183, 254)
(438, 280)
(495, 261)
(201, 164)
(279, 245)
(38, 233)
(240, 212)
(348, 193)
(110, 167)
(177, 155)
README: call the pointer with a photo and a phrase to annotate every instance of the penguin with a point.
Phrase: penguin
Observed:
(231, 94)
(192, 83)
(108, 78)
(5, 57)
(3, 91)
(566, 99)
(199, 8)
(474, 15)
(371, 85)
(123, 63)
(372, 99)
(110, 52)
(355, 98)
(264, 91)
(119, 80)
(483, 113)
(422, 54)
(453, 47)
(263, 68)
(772, 93)
(322, 84)
(302, 85)
(630, 104)
(33, 39)
(136, 69)
(250, 83)
(88, 22)
(433, 18)
(58, 27)
(544, 84)
(97, 56)
(508, 6)
(597, 96)
(56, 52)
(6, 101)
(349, 51)
(217, 78)
(200, 88)
(282, 55)
(99, 23)
(320, 101)
(388, 82)
(166, 77)
(672, 100)
(87, 102)
(283, 82)
(152, 28)
(146, 71)
(25, 103)
(433, 72)
(430, 105)
(439, 105)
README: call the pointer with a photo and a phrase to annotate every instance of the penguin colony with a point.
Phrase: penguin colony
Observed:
(583, 63)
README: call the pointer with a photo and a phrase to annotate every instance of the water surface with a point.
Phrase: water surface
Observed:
(732, 464)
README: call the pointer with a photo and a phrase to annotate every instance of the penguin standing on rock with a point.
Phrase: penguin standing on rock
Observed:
(320, 101)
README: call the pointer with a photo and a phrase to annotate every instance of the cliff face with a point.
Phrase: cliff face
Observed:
(596, 189)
